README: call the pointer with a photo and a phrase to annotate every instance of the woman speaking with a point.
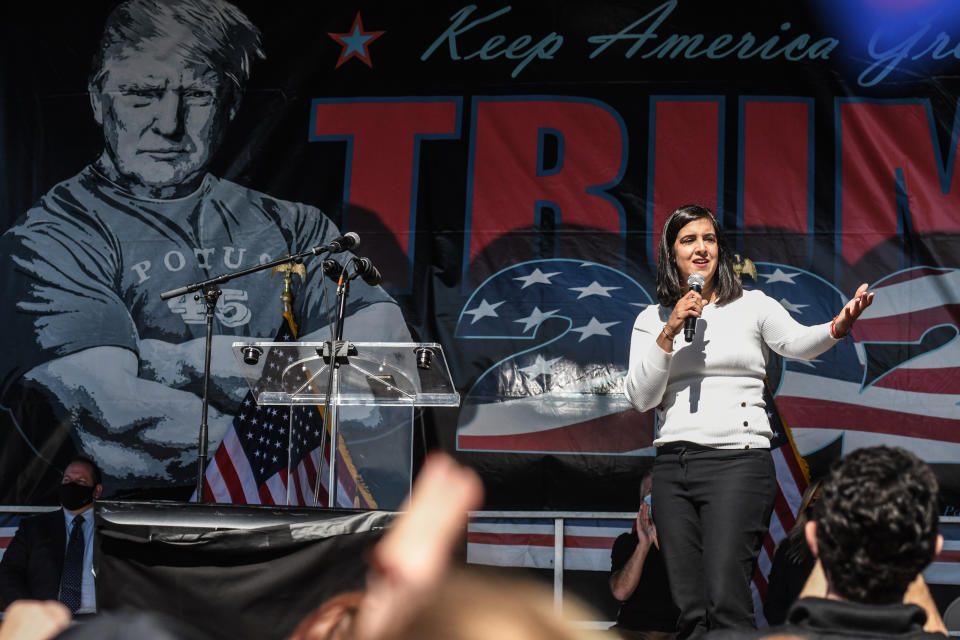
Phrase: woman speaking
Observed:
(714, 481)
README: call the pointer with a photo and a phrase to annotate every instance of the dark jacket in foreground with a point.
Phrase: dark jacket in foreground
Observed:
(32, 564)
(819, 618)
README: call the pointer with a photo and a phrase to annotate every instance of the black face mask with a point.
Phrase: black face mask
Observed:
(75, 496)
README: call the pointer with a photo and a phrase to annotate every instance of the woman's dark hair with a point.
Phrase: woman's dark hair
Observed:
(797, 549)
(670, 286)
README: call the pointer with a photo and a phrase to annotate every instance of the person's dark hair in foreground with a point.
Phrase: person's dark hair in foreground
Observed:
(876, 524)
(874, 530)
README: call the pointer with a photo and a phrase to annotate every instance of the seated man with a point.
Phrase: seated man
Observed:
(51, 555)
(874, 530)
(638, 578)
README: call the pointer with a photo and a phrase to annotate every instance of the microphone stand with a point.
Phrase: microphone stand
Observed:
(334, 354)
(210, 292)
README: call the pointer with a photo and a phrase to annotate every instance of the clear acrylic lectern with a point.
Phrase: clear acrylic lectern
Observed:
(374, 390)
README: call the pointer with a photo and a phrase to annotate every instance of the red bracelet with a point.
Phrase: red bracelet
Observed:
(833, 329)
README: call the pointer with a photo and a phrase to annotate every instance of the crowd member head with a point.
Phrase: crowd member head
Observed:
(692, 242)
(332, 620)
(164, 95)
(81, 484)
(468, 604)
(798, 551)
(875, 524)
(474, 605)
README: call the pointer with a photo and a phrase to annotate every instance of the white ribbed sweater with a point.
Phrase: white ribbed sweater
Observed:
(710, 391)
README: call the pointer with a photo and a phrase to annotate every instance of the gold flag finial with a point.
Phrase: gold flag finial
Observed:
(288, 269)
(744, 265)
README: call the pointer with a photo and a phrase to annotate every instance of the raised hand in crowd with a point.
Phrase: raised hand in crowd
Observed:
(34, 620)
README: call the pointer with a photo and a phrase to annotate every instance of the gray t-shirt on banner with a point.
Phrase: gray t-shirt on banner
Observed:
(90, 262)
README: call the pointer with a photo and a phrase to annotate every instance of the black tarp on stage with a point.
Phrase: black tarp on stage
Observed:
(232, 571)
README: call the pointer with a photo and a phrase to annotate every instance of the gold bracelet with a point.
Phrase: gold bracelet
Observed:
(667, 335)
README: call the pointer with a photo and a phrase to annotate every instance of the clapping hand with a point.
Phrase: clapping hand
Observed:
(646, 530)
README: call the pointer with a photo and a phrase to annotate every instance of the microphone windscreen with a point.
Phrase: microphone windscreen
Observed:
(351, 241)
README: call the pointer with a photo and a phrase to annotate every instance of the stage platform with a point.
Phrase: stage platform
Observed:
(255, 571)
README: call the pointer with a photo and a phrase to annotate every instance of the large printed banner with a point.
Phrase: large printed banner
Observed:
(508, 169)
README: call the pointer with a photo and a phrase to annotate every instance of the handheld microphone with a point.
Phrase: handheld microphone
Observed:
(695, 282)
(346, 242)
(365, 269)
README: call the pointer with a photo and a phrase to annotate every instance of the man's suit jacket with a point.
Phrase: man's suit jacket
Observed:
(33, 563)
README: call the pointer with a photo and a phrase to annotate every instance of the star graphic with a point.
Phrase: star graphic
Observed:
(594, 328)
(539, 367)
(807, 363)
(779, 276)
(792, 308)
(484, 310)
(355, 42)
(537, 277)
(595, 289)
(536, 317)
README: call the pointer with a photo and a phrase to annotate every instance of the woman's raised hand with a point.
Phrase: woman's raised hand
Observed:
(851, 311)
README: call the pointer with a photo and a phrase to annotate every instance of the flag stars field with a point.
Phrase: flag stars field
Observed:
(594, 328)
(594, 289)
(485, 310)
(792, 308)
(536, 277)
(779, 275)
(535, 318)
(540, 367)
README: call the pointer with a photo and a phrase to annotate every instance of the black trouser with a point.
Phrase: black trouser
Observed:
(712, 509)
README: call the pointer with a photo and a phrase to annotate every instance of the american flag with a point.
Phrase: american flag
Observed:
(561, 390)
(250, 466)
(793, 476)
